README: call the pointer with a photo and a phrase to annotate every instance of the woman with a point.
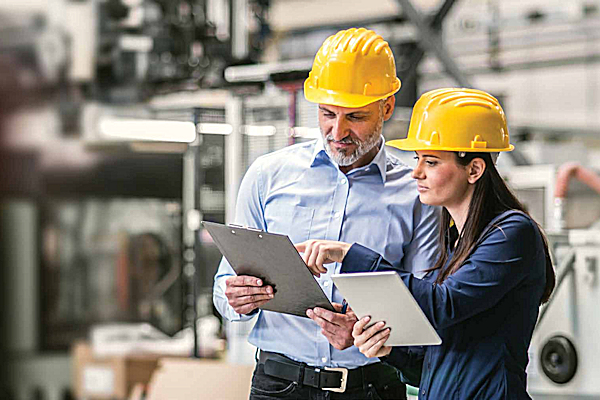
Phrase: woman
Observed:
(483, 293)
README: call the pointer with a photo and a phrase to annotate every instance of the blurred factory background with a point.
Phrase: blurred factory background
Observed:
(124, 123)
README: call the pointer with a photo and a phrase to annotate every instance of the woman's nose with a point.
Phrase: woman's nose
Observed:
(417, 173)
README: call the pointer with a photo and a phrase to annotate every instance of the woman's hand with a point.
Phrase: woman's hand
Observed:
(319, 252)
(371, 341)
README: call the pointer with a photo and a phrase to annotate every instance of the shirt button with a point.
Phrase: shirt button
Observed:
(326, 283)
(337, 214)
(324, 359)
(343, 181)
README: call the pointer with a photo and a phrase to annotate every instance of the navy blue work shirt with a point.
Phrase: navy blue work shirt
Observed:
(485, 314)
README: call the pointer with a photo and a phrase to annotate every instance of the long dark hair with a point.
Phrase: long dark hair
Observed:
(490, 198)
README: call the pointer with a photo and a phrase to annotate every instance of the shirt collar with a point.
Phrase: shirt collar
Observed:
(319, 148)
(379, 160)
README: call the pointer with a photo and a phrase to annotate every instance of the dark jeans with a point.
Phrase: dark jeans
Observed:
(387, 387)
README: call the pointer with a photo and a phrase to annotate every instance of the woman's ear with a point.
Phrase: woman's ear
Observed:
(475, 170)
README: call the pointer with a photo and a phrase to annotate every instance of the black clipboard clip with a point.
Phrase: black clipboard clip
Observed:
(245, 227)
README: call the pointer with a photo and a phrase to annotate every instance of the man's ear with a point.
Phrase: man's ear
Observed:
(388, 107)
(475, 169)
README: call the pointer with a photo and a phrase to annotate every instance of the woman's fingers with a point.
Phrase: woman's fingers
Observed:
(378, 350)
(301, 247)
(317, 253)
(322, 258)
(359, 327)
(371, 341)
(310, 256)
(362, 336)
(310, 252)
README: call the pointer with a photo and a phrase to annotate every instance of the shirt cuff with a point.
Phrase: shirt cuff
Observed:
(360, 259)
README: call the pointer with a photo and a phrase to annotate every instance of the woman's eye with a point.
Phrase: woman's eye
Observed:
(431, 163)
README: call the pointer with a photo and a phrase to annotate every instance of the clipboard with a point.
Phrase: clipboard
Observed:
(274, 259)
(385, 297)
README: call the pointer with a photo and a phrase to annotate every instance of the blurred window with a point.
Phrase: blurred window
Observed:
(109, 260)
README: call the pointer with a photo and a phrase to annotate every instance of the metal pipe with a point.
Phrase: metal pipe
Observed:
(565, 173)
(188, 236)
(436, 21)
(233, 155)
(565, 267)
(573, 169)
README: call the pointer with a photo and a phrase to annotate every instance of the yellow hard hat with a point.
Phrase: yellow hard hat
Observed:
(352, 68)
(467, 120)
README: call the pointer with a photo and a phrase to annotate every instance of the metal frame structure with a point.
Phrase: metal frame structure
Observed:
(431, 40)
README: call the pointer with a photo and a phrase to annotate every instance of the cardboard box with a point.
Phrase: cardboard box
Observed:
(184, 379)
(111, 377)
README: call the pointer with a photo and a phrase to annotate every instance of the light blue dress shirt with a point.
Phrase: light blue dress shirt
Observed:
(299, 191)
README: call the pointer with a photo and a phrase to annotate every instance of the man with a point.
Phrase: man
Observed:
(344, 187)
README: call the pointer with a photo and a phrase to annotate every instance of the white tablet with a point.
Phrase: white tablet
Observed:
(385, 297)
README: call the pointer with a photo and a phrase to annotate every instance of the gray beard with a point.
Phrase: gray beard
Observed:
(362, 147)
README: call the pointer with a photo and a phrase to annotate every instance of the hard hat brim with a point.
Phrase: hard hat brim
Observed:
(330, 97)
(410, 144)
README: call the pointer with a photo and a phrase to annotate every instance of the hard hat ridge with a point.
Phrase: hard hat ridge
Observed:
(452, 119)
(353, 68)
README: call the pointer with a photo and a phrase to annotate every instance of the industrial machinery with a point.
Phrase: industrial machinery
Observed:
(564, 349)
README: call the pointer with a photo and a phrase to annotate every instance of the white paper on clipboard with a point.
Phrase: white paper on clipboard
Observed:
(385, 297)
(274, 259)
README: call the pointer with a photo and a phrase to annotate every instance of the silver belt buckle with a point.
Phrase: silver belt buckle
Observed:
(343, 382)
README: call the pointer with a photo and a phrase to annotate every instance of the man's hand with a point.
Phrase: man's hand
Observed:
(371, 341)
(336, 327)
(319, 252)
(246, 293)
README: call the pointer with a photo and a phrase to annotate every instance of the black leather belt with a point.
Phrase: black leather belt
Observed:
(326, 378)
